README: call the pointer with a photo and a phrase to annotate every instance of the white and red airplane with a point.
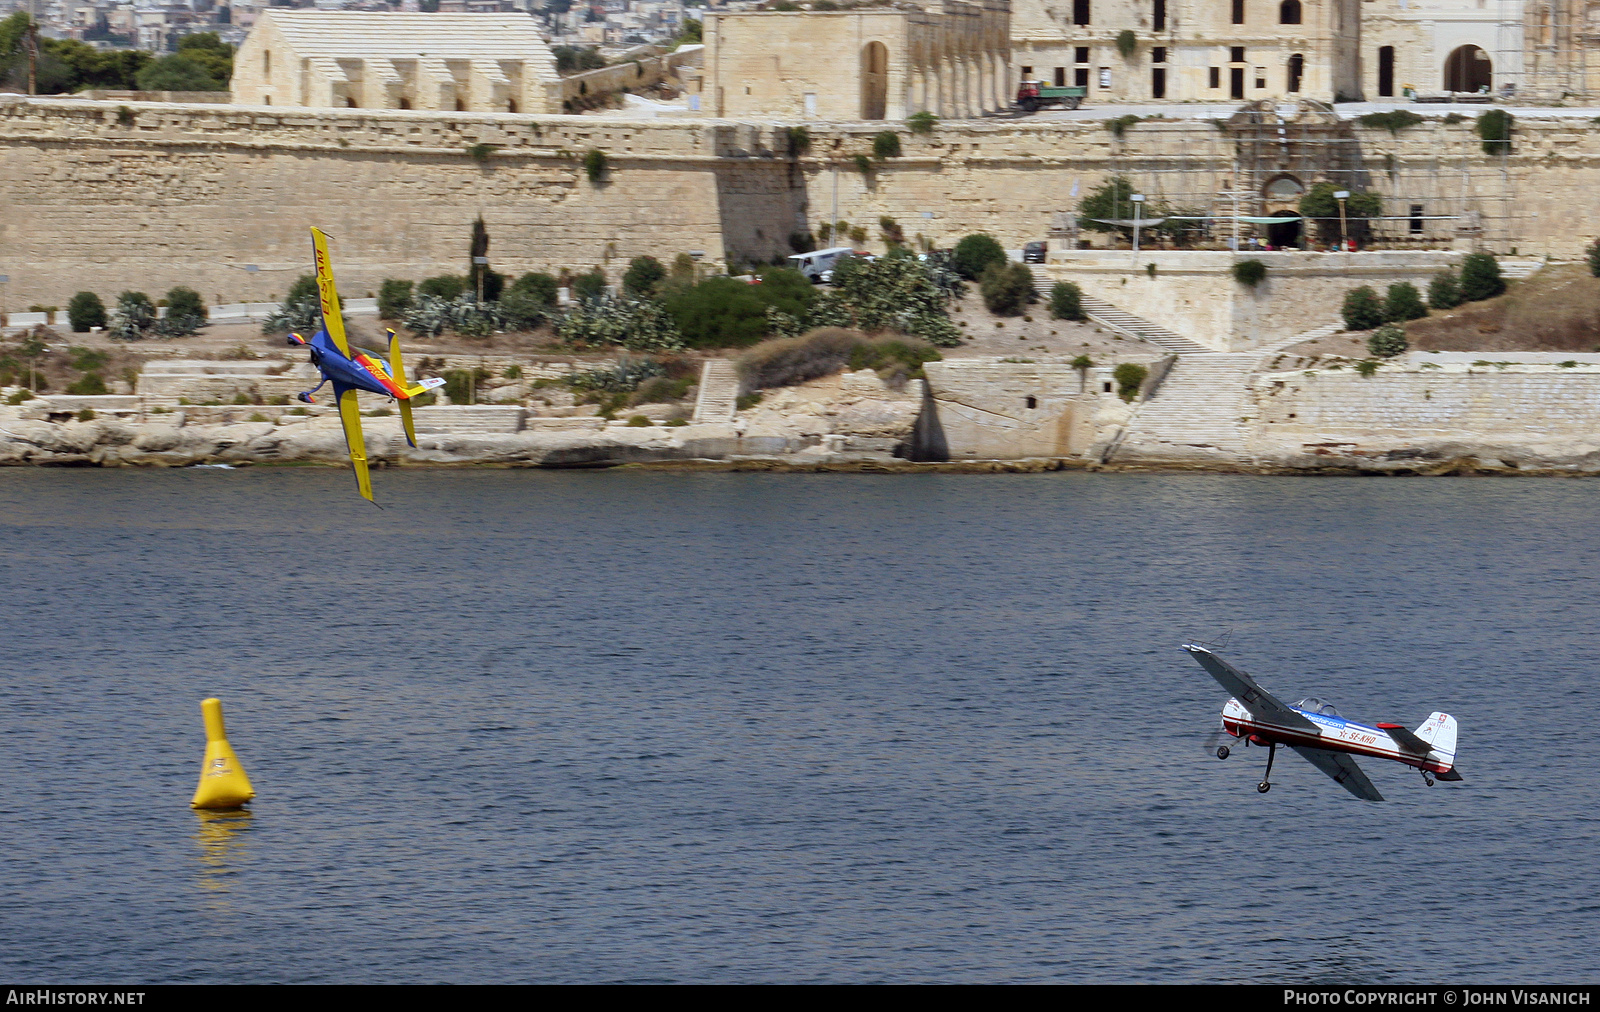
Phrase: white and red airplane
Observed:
(1328, 741)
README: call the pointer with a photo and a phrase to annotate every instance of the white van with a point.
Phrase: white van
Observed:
(818, 264)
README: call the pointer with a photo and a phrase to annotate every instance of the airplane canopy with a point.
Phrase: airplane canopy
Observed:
(1311, 704)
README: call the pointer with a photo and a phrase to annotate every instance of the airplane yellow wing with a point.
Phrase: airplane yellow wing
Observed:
(332, 311)
(350, 415)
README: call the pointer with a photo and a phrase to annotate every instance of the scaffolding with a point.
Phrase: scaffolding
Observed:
(1443, 198)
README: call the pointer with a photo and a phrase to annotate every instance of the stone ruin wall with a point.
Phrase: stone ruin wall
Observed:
(190, 194)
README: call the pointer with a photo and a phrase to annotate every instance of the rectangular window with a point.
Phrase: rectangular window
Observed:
(1080, 12)
(1158, 16)
(1061, 76)
(1158, 54)
(1105, 78)
(1386, 71)
(1236, 82)
(1214, 78)
(1416, 219)
(1238, 12)
(1236, 54)
(1261, 78)
(1080, 54)
(1080, 77)
(1158, 82)
(1027, 73)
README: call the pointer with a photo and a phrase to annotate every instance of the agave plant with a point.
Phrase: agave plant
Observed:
(293, 315)
(621, 378)
(133, 316)
(432, 316)
(181, 325)
(633, 324)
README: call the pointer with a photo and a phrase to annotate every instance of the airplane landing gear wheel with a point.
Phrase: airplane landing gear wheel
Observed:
(1263, 787)
(1222, 752)
(1427, 780)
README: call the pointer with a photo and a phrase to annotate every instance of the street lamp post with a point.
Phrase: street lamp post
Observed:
(1138, 205)
(1344, 234)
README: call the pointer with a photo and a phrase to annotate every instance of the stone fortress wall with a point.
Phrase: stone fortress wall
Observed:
(175, 194)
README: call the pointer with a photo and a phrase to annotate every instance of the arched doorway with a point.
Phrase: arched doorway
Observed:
(1468, 69)
(1287, 234)
(874, 80)
(1284, 190)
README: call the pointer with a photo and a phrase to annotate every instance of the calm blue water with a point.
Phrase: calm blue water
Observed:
(544, 726)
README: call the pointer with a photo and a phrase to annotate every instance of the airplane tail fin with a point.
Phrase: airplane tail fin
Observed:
(398, 367)
(1439, 731)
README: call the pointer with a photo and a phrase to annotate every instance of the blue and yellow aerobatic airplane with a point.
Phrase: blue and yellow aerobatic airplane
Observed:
(331, 353)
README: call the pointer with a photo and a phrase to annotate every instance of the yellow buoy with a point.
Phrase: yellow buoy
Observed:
(222, 780)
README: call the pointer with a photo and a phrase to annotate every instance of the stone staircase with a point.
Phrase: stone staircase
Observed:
(1194, 418)
(469, 419)
(1124, 322)
(719, 391)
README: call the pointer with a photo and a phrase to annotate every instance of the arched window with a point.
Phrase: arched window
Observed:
(511, 105)
(405, 103)
(1289, 12)
(1297, 70)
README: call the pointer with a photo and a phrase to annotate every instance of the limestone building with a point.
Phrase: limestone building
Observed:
(950, 58)
(397, 60)
(1437, 46)
(1562, 54)
(1192, 50)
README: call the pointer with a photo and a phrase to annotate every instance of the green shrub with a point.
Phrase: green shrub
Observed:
(257, 416)
(886, 145)
(90, 384)
(513, 372)
(1494, 127)
(86, 415)
(1066, 301)
(1129, 376)
(1444, 291)
(794, 360)
(643, 277)
(86, 311)
(1388, 341)
(589, 286)
(799, 140)
(1119, 125)
(1591, 255)
(595, 165)
(1127, 42)
(1249, 272)
(1362, 309)
(1394, 122)
(135, 314)
(481, 153)
(394, 298)
(747, 401)
(446, 286)
(922, 123)
(185, 302)
(1320, 206)
(1366, 368)
(1403, 303)
(974, 254)
(863, 164)
(541, 287)
(719, 312)
(1006, 288)
(638, 422)
(1480, 277)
